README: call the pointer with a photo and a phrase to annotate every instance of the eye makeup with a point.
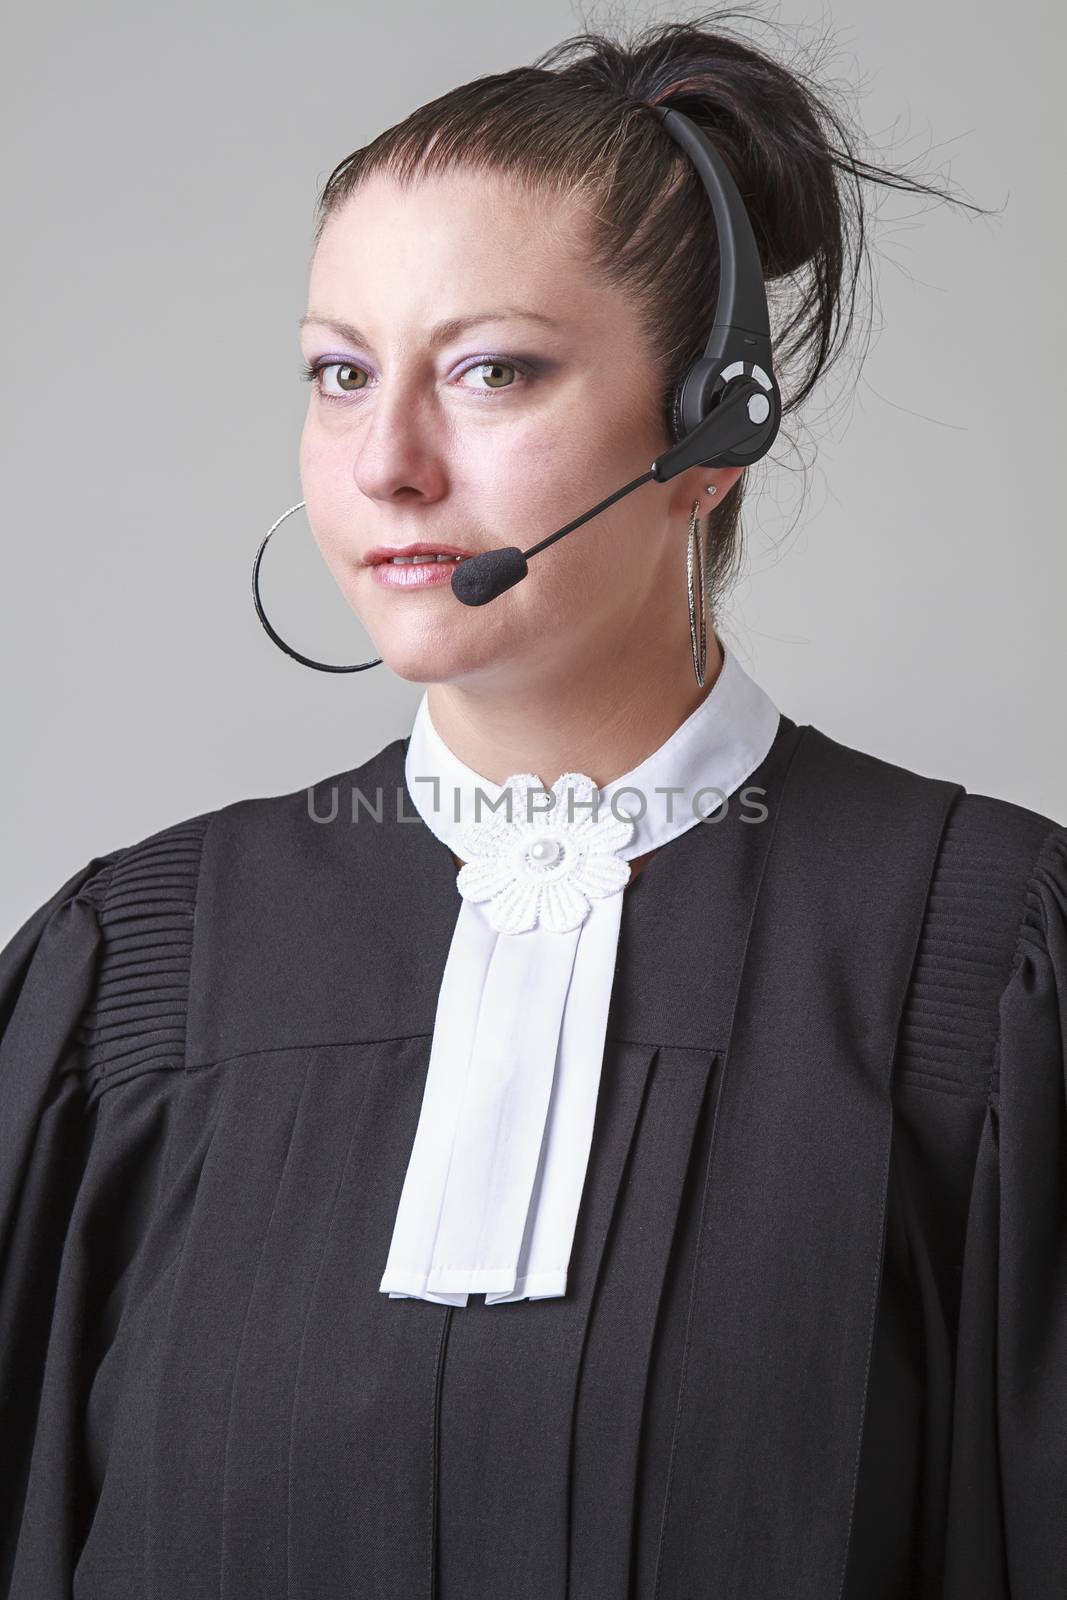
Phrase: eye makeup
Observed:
(525, 368)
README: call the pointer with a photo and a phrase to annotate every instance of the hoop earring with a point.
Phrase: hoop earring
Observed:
(305, 661)
(700, 652)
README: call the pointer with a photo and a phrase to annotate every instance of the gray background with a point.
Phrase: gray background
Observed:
(161, 172)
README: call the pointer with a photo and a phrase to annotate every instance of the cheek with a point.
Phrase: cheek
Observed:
(589, 582)
(317, 466)
(529, 482)
(327, 490)
(531, 479)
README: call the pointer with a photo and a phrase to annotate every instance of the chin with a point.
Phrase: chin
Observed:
(428, 661)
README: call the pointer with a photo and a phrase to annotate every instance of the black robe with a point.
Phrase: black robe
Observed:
(814, 1340)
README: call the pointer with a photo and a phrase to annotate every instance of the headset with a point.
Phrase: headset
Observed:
(727, 408)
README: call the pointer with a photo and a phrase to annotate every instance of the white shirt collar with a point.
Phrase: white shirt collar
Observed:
(717, 747)
(494, 1181)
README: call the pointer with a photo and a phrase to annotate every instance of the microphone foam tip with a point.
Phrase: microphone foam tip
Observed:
(481, 578)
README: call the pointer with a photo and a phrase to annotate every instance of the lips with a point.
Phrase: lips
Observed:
(382, 552)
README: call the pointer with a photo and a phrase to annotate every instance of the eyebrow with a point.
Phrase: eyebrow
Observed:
(441, 332)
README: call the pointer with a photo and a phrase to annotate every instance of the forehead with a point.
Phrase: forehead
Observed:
(461, 236)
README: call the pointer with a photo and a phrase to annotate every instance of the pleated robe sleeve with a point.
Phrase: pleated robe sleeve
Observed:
(1007, 1521)
(47, 979)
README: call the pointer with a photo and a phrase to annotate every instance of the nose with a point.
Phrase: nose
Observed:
(400, 451)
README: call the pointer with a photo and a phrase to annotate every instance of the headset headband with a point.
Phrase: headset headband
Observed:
(739, 344)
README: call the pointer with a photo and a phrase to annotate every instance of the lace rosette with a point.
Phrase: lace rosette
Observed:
(543, 866)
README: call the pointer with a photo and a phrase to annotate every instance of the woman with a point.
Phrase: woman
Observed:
(398, 1200)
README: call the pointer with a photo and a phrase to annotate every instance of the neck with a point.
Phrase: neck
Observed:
(602, 722)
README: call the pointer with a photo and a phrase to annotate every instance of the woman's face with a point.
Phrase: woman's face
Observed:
(493, 434)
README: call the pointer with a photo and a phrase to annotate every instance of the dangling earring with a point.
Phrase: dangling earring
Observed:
(305, 661)
(700, 649)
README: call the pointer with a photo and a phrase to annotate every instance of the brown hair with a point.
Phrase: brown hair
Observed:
(576, 123)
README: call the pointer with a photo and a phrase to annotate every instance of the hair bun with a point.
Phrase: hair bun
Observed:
(764, 121)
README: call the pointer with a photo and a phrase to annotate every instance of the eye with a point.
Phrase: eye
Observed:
(494, 366)
(351, 379)
(347, 384)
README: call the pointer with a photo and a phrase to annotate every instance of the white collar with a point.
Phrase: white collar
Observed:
(522, 1011)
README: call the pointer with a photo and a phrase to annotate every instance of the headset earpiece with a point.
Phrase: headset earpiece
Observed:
(700, 379)
(677, 429)
(704, 385)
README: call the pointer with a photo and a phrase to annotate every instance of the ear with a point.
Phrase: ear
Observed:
(693, 485)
